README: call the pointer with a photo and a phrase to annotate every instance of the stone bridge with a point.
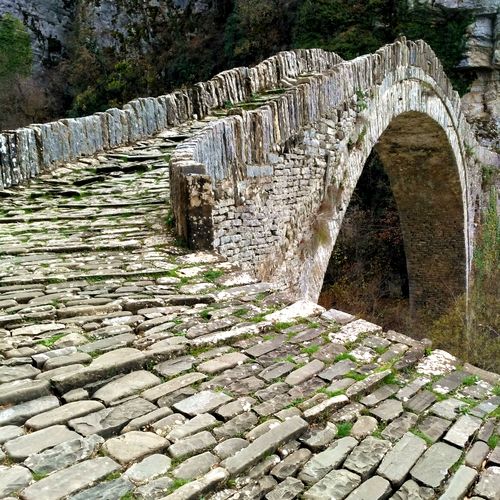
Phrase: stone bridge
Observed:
(134, 368)
(269, 187)
(268, 183)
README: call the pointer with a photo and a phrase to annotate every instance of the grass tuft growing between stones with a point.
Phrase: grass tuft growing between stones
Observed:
(310, 349)
(213, 275)
(470, 380)
(355, 376)
(52, 340)
(344, 429)
(493, 441)
(423, 436)
(343, 356)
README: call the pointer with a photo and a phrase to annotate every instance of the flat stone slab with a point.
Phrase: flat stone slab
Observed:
(173, 385)
(375, 488)
(107, 490)
(192, 445)
(10, 373)
(117, 361)
(18, 414)
(291, 464)
(63, 414)
(459, 484)
(338, 369)
(434, 427)
(351, 331)
(337, 484)
(13, 479)
(111, 420)
(8, 432)
(488, 485)
(421, 401)
(196, 466)
(337, 316)
(221, 363)
(125, 386)
(448, 408)
(24, 446)
(264, 445)
(477, 454)
(322, 463)
(202, 402)
(398, 462)
(388, 410)
(432, 468)
(305, 372)
(148, 469)
(64, 454)
(71, 480)
(325, 407)
(133, 446)
(19, 391)
(365, 458)
(363, 427)
(196, 489)
(462, 430)
(199, 423)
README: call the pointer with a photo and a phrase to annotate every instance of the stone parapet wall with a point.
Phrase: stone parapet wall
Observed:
(27, 151)
(268, 188)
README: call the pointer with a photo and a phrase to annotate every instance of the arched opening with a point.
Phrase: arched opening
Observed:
(421, 169)
(366, 274)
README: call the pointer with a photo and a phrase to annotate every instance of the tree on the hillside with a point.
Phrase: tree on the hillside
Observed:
(15, 49)
(21, 97)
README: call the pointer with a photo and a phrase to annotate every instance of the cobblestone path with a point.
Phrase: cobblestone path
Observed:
(131, 368)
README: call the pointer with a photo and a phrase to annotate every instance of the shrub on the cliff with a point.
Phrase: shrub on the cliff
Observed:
(475, 337)
(15, 49)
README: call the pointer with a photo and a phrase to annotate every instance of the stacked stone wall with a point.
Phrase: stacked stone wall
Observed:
(27, 151)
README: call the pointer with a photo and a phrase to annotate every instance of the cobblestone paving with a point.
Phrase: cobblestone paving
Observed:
(131, 368)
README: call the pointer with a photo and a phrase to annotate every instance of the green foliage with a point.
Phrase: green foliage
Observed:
(310, 349)
(355, 27)
(423, 436)
(343, 356)
(344, 429)
(257, 29)
(52, 340)
(493, 441)
(470, 380)
(15, 49)
(355, 376)
(472, 331)
(213, 274)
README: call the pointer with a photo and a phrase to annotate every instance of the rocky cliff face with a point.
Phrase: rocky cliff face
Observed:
(111, 23)
(128, 25)
(482, 55)
(49, 23)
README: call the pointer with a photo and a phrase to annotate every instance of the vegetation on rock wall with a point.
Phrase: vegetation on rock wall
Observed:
(180, 47)
(15, 69)
(478, 339)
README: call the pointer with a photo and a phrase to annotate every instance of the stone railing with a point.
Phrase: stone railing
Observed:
(27, 151)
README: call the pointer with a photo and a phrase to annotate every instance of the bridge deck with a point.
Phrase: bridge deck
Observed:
(131, 368)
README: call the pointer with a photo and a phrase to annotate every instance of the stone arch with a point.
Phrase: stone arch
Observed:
(422, 171)
(269, 188)
(423, 156)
